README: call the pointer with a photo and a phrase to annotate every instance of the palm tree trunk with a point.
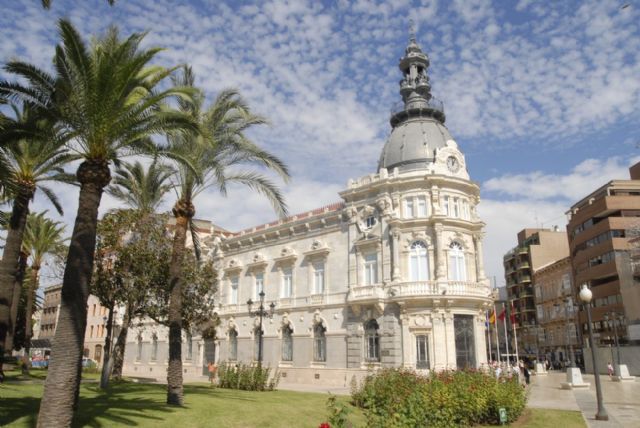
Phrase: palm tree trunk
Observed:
(33, 286)
(183, 212)
(119, 348)
(61, 388)
(9, 266)
(106, 361)
(17, 291)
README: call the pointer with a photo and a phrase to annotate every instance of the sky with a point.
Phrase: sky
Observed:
(542, 97)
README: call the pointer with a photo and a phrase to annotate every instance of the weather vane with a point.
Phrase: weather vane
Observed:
(412, 31)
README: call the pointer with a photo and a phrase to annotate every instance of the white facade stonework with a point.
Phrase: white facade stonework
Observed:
(390, 276)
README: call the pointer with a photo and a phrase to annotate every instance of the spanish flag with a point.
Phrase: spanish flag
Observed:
(492, 318)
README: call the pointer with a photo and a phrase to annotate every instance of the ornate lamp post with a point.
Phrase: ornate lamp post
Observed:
(586, 295)
(260, 312)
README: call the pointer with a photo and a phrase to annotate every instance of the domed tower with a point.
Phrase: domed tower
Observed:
(415, 237)
(418, 130)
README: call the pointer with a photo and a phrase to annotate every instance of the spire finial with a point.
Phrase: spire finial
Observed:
(412, 31)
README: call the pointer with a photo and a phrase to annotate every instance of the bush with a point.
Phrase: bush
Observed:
(247, 377)
(402, 398)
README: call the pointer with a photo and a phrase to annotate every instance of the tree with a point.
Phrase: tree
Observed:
(47, 3)
(133, 273)
(106, 96)
(213, 153)
(43, 237)
(141, 189)
(36, 157)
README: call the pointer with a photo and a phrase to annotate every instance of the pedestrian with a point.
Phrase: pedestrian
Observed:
(498, 371)
(610, 369)
(212, 371)
(527, 375)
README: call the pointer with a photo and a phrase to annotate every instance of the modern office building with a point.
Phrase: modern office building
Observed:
(602, 233)
(536, 248)
(391, 275)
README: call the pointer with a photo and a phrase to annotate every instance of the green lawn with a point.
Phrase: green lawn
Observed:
(142, 405)
(133, 404)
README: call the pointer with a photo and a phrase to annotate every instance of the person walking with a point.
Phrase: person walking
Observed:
(610, 369)
(527, 374)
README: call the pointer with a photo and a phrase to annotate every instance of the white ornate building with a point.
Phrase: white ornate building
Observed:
(390, 276)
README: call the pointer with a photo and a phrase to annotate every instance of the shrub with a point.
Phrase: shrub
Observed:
(402, 398)
(247, 377)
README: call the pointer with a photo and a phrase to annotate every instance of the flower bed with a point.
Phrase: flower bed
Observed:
(402, 398)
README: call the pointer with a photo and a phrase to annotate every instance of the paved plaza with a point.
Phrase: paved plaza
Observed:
(620, 399)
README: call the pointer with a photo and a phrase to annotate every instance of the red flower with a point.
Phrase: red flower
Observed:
(325, 425)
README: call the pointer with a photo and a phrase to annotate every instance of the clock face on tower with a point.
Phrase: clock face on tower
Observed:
(453, 164)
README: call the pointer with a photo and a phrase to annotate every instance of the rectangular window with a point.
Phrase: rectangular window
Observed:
(465, 210)
(287, 284)
(370, 269)
(233, 292)
(456, 207)
(318, 278)
(445, 205)
(189, 347)
(422, 352)
(259, 284)
(408, 208)
(422, 206)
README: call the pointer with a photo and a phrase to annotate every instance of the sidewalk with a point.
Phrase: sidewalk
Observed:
(620, 399)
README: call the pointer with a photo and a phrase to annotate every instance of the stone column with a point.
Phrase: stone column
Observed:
(440, 352)
(477, 242)
(480, 336)
(407, 359)
(395, 254)
(440, 265)
(450, 337)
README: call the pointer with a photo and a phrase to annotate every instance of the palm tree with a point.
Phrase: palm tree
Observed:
(213, 152)
(42, 236)
(141, 189)
(106, 97)
(47, 3)
(36, 158)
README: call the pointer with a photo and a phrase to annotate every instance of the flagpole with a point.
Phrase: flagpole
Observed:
(506, 336)
(515, 332)
(495, 313)
(486, 316)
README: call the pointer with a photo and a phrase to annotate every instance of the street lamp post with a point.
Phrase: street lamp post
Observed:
(614, 317)
(260, 312)
(586, 295)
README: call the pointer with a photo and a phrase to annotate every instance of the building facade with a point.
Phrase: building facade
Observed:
(390, 276)
(536, 248)
(556, 311)
(600, 229)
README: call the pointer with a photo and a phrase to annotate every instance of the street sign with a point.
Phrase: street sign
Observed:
(503, 415)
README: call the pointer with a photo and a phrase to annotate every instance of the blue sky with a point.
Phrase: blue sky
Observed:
(542, 97)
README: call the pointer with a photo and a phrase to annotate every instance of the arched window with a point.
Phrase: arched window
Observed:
(97, 355)
(85, 353)
(257, 333)
(287, 343)
(457, 267)
(233, 345)
(372, 340)
(319, 343)
(154, 347)
(139, 353)
(418, 262)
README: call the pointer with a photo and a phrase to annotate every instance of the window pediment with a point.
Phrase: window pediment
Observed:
(287, 255)
(369, 242)
(257, 262)
(318, 248)
(233, 265)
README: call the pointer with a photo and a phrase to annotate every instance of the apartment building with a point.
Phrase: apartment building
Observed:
(536, 248)
(602, 234)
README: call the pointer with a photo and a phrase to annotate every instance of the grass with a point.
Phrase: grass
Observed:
(143, 405)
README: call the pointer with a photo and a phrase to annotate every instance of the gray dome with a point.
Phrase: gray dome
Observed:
(413, 143)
